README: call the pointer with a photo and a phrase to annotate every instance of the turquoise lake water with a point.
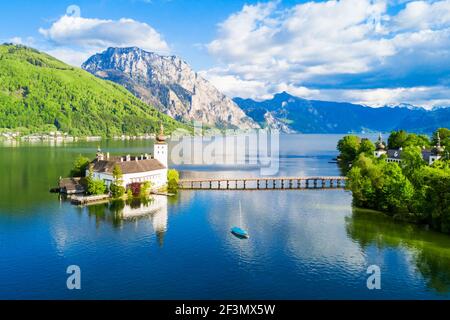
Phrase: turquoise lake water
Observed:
(304, 244)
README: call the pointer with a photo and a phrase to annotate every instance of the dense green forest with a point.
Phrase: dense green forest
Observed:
(411, 190)
(39, 94)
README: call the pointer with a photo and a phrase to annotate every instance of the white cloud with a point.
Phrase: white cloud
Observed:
(71, 56)
(73, 38)
(308, 39)
(72, 30)
(28, 41)
(419, 15)
(419, 96)
(234, 86)
(351, 46)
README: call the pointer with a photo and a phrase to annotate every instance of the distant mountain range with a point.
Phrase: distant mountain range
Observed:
(39, 93)
(169, 84)
(292, 114)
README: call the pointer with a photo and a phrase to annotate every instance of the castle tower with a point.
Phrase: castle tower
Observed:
(380, 147)
(160, 149)
(99, 155)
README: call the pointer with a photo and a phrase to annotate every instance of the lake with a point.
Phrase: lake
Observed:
(304, 244)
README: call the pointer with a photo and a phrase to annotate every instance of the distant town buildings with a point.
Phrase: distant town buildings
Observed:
(395, 155)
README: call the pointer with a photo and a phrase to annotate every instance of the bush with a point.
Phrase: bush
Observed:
(135, 189)
(116, 188)
(145, 189)
(80, 166)
(95, 186)
(173, 178)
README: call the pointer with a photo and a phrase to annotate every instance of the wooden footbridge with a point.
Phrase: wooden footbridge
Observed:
(264, 183)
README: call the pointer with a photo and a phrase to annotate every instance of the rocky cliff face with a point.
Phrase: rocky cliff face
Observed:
(168, 83)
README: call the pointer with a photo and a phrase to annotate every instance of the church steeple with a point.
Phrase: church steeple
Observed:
(99, 154)
(380, 144)
(438, 149)
(161, 138)
(160, 149)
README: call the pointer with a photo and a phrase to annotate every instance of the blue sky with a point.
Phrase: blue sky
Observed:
(374, 52)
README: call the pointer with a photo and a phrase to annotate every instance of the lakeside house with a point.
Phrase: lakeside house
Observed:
(136, 169)
(395, 155)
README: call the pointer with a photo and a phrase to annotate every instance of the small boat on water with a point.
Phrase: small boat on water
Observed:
(237, 231)
(240, 233)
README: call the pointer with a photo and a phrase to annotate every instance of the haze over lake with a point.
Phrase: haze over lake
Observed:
(304, 244)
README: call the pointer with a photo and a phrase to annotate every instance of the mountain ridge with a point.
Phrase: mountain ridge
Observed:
(39, 92)
(170, 84)
(315, 116)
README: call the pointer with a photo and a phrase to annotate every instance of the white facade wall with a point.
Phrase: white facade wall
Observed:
(157, 178)
(433, 159)
(379, 153)
(161, 153)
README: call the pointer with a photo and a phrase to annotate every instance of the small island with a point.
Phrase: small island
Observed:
(408, 178)
(112, 177)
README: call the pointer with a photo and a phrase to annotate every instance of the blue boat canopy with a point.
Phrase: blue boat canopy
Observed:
(239, 232)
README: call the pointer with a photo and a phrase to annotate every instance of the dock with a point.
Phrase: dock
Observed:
(264, 183)
(83, 200)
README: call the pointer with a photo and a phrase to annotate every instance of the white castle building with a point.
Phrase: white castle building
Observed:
(135, 169)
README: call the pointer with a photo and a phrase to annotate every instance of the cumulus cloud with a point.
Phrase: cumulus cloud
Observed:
(72, 30)
(73, 38)
(354, 45)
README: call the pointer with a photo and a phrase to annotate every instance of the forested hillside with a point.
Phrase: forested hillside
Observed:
(40, 93)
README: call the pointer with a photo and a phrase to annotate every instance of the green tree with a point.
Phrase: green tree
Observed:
(129, 194)
(145, 189)
(397, 139)
(348, 147)
(79, 166)
(173, 178)
(415, 140)
(412, 160)
(116, 188)
(397, 190)
(95, 186)
(366, 147)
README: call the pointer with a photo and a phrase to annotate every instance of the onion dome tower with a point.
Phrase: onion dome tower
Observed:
(99, 154)
(380, 144)
(160, 149)
(438, 149)
(161, 138)
(380, 147)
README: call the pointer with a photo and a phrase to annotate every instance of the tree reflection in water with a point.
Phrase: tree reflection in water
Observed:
(430, 250)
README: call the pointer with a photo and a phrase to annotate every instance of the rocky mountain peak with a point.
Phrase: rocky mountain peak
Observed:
(170, 84)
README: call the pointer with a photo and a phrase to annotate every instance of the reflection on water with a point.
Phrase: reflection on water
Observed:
(119, 211)
(303, 244)
(430, 251)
